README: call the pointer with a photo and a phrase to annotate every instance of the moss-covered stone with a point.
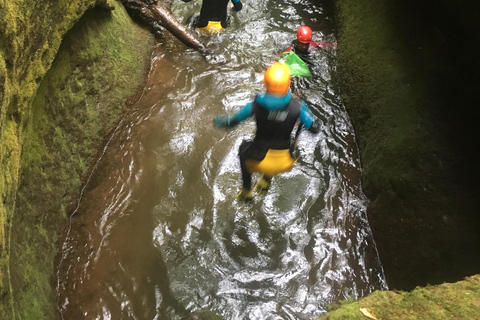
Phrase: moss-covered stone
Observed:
(460, 300)
(410, 99)
(57, 106)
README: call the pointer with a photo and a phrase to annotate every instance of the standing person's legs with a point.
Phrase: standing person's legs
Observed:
(248, 151)
(225, 23)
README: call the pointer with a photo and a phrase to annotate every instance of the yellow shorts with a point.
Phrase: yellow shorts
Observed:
(275, 162)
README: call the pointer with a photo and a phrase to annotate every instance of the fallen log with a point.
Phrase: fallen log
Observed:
(153, 13)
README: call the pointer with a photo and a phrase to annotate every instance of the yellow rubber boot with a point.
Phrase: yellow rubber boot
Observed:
(263, 184)
(245, 195)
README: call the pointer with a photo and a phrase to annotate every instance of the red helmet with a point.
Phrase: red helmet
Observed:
(304, 34)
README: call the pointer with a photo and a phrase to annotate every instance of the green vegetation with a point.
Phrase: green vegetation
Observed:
(410, 100)
(57, 106)
(409, 96)
(460, 300)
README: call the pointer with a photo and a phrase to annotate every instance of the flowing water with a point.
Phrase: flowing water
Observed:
(157, 232)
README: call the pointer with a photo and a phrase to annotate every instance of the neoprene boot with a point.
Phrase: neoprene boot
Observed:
(245, 195)
(263, 184)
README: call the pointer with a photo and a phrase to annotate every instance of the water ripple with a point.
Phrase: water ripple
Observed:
(158, 232)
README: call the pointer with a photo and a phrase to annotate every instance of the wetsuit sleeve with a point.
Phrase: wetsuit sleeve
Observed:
(237, 5)
(233, 119)
(315, 44)
(308, 120)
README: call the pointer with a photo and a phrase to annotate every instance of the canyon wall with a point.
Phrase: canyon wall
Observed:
(67, 70)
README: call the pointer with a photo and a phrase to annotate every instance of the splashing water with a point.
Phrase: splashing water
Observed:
(157, 232)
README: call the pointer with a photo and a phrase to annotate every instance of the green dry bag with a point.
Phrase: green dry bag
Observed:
(298, 67)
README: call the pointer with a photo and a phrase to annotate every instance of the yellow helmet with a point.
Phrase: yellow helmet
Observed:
(277, 79)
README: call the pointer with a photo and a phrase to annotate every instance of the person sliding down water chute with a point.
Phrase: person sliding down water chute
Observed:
(213, 14)
(276, 112)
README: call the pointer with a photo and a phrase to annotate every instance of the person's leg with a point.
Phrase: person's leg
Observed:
(263, 184)
(243, 156)
(250, 150)
(225, 23)
(201, 23)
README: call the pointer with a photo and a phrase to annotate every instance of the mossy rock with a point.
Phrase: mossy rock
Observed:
(460, 300)
(59, 106)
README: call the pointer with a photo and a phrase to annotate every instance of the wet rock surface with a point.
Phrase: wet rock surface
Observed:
(409, 73)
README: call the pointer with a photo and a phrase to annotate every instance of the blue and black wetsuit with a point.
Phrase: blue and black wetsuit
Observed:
(215, 10)
(275, 118)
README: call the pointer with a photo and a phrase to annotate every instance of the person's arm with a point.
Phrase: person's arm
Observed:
(237, 5)
(230, 120)
(308, 120)
(315, 44)
(292, 45)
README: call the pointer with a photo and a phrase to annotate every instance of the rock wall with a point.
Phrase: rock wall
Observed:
(410, 76)
(66, 71)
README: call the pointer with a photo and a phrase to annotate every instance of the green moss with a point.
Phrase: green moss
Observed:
(385, 112)
(447, 301)
(26, 51)
(55, 123)
(9, 156)
(402, 87)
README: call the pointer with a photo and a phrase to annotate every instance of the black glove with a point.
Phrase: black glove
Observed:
(237, 6)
